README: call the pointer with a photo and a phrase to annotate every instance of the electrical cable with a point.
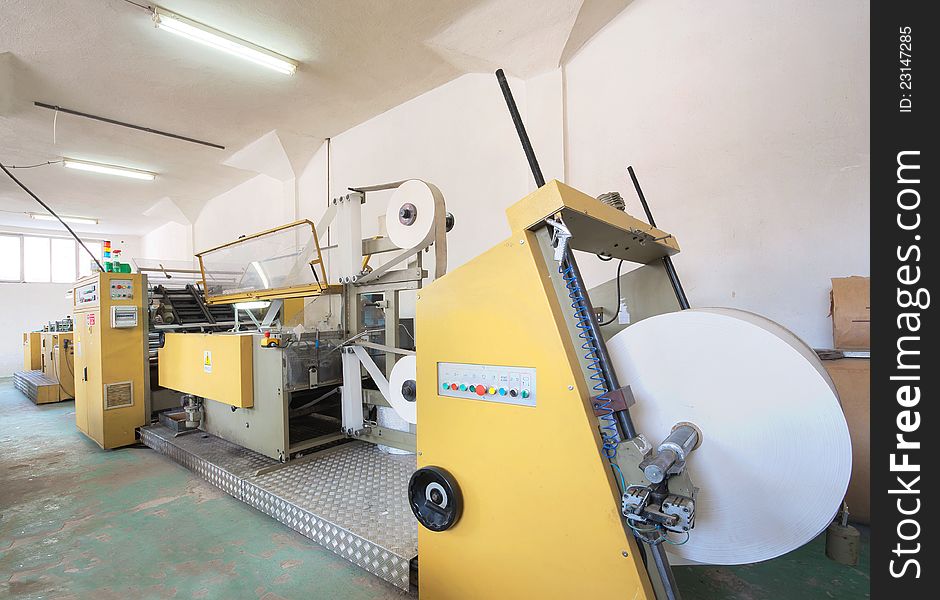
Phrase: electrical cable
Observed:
(616, 312)
(53, 213)
(608, 429)
(688, 534)
(143, 6)
(67, 354)
(623, 483)
(48, 162)
(58, 380)
(641, 533)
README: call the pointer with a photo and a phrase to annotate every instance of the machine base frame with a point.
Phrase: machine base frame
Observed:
(351, 498)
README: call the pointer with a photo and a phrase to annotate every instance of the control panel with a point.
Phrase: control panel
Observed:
(122, 289)
(123, 316)
(491, 383)
(86, 294)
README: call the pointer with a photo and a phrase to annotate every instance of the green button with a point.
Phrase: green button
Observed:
(463, 387)
(445, 386)
(525, 393)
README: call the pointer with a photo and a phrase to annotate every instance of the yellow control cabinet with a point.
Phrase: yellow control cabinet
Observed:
(112, 374)
(57, 361)
(32, 351)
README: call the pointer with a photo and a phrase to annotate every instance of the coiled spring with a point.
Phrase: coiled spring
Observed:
(609, 435)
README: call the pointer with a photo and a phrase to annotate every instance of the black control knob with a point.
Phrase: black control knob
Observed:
(435, 498)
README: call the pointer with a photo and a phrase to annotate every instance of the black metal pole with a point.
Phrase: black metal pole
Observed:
(128, 125)
(520, 129)
(624, 421)
(667, 260)
(665, 571)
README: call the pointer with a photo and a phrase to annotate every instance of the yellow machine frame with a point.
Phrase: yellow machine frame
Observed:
(32, 351)
(105, 355)
(214, 366)
(540, 505)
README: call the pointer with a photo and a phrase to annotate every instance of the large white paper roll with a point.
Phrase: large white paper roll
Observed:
(420, 196)
(404, 370)
(776, 456)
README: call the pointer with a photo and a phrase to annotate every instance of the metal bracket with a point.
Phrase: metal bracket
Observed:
(560, 237)
(620, 399)
(271, 314)
(373, 369)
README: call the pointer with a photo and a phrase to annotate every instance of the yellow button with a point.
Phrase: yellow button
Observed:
(492, 390)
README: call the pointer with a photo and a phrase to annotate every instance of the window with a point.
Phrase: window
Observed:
(10, 258)
(84, 261)
(36, 265)
(37, 259)
(63, 261)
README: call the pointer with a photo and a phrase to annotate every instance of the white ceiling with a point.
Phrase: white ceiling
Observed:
(358, 58)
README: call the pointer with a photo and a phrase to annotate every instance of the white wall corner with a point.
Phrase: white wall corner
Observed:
(266, 155)
(167, 210)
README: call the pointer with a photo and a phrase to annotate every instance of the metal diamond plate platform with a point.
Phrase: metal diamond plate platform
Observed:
(351, 499)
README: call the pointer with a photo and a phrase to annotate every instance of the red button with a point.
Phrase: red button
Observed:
(453, 386)
(480, 390)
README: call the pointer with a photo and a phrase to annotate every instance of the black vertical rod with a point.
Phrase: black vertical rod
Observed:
(661, 562)
(667, 260)
(624, 421)
(520, 129)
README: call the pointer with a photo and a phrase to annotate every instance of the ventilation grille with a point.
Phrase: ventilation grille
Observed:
(117, 395)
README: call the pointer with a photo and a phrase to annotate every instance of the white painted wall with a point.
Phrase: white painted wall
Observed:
(458, 137)
(748, 126)
(171, 241)
(25, 307)
(252, 206)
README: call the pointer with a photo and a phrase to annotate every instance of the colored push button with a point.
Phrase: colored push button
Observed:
(513, 393)
(463, 387)
(525, 393)
(491, 391)
(502, 391)
(446, 386)
(480, 390)
(453, 386)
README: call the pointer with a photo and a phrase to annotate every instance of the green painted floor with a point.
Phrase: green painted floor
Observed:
(79, 522)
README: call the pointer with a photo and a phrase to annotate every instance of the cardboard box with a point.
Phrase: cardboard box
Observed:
(850, 307)
(852, 378)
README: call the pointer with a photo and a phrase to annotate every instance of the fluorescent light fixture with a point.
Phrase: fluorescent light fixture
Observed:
(220, 40)
(252, 305)
(84, 165)
(79, 220)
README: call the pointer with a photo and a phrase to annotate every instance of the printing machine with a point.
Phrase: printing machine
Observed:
(494, 441)
(307, 403)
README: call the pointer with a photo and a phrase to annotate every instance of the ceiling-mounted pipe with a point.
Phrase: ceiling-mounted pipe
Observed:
(128, 125)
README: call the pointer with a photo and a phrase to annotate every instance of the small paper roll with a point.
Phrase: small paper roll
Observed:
(775, 458)
(416, 195)
(404, 370)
